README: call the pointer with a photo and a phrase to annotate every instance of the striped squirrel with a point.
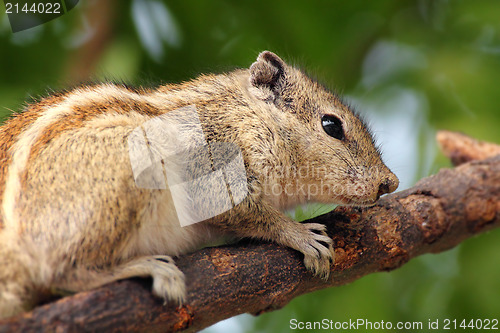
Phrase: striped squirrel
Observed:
(73, 216)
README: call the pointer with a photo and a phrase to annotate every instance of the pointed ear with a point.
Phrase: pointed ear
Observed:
(267, 71)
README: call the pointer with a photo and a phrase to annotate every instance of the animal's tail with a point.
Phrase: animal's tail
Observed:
(16, 286)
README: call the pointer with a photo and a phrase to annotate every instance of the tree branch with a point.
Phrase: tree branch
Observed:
(100, 16)
(460, 148)
(436, 214)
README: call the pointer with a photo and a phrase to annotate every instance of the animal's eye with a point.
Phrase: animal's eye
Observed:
(332, 126)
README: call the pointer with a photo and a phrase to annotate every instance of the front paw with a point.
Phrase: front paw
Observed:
(317, 248)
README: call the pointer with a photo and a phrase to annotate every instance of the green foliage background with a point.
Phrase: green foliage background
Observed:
(447, 53)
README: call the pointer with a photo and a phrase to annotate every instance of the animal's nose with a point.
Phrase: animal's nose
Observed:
(388, 185)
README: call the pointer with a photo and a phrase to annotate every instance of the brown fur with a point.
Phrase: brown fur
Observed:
(13, 127)
(74, 218)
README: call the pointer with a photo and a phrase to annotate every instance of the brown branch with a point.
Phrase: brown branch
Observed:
(100, 16)
(436, 214)
(460, 148)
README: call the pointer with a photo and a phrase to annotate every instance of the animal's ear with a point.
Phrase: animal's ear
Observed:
(266, 74)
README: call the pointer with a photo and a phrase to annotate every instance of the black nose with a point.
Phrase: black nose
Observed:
(384, 187)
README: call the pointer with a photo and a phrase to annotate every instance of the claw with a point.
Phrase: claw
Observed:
(318, 250)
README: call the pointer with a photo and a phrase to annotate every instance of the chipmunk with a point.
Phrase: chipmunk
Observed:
(74, 216)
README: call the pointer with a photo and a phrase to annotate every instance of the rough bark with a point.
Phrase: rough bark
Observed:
(436, 214)
(460, 148)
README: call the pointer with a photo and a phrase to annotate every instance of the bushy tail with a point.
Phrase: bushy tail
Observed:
(16, 287)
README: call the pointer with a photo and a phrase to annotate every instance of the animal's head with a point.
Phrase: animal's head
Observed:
(331, 154)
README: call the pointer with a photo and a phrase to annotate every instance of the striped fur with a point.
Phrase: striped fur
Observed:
(73, 218)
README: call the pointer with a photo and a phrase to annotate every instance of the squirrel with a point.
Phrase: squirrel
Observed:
(74, 218)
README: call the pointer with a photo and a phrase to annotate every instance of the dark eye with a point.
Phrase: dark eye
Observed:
(332, 126)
